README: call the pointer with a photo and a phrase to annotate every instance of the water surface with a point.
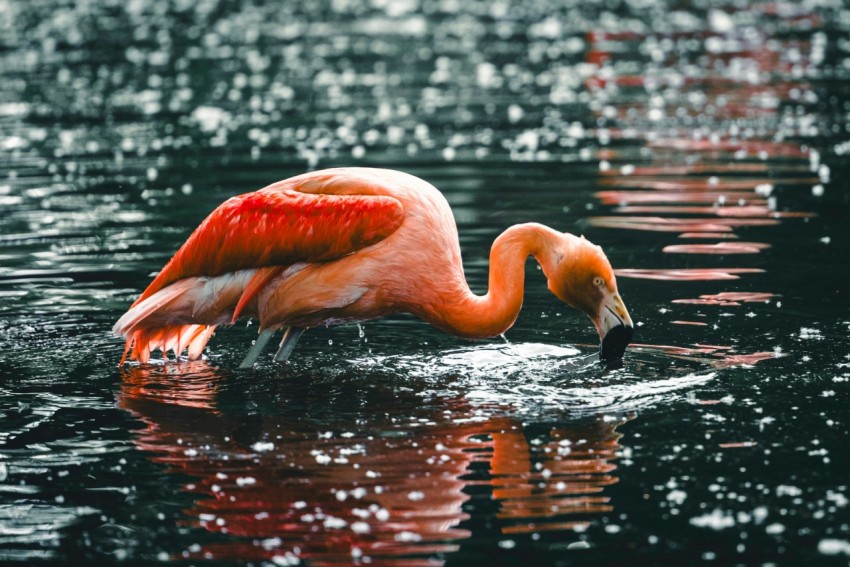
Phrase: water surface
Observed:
(703, 146)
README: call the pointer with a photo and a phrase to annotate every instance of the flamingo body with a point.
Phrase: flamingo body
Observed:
(345, 245)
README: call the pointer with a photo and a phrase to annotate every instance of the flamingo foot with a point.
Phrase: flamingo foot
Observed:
(258, 347)
(287, 345)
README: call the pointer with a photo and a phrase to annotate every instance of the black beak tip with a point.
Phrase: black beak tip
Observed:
(615, 342)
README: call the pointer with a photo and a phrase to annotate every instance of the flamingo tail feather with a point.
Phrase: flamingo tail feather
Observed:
(183, 315)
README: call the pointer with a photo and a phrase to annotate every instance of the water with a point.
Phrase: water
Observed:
(702, 145)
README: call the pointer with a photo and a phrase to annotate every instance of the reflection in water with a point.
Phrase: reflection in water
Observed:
(729, 298)
(696, 184)
(713, 355)
(704, 168)
(717, 248)
(739, 211)
(747, 147)
(663, 224)
(617, 197)
(687, 274)
(557, 484)
(288, 486)
(705, 149)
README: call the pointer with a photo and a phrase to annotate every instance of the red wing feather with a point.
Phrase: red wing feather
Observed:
(253, 287)
(280, 227)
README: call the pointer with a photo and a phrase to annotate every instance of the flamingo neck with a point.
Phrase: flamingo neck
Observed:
(469, 315)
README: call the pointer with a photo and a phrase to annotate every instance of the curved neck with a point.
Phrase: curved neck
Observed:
(468, 315)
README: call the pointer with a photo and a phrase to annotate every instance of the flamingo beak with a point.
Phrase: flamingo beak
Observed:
(615, 327)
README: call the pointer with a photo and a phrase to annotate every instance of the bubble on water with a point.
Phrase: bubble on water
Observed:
(764, 189)
(515, 113)
(262, 446)
(210, 118)
(287, 559)
(360, 527)
(831, 546)
(486, 75)
(271, 543)
(407, 537)
(677, 497)
(787, 490)
(716, 520)
(334, 523)
(808, 333)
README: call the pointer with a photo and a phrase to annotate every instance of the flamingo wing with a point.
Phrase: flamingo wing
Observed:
(280, 226)
(316, 217)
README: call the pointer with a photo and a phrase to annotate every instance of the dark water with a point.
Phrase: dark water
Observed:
(703, 145)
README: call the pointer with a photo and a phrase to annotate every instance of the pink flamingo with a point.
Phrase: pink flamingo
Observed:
(352, 244)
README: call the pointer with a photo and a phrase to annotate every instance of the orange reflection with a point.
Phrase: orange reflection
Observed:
(664, 171)
(731, 360)
(717, 248)
(745, 211)
(687, 274)
(749, 147)
(692, 169)
(729, 298)
(323, 490)
(710, 197)
(663, 224)
(727, 235)
(733, 211)
(714, 355)
(538, 486)
(667, 183)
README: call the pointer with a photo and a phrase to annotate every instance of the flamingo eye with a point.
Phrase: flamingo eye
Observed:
(598, 282)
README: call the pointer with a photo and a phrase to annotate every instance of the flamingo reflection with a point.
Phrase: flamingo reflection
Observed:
(286, 487)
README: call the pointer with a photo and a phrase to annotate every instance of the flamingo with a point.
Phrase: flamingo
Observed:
(347, 245)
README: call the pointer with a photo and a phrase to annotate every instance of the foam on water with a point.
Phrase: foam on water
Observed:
(526, 376)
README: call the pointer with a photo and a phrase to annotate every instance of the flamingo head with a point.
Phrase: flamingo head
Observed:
(580, 275)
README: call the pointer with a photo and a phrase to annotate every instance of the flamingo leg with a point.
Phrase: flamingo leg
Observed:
(287, 344)
(258, 347)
